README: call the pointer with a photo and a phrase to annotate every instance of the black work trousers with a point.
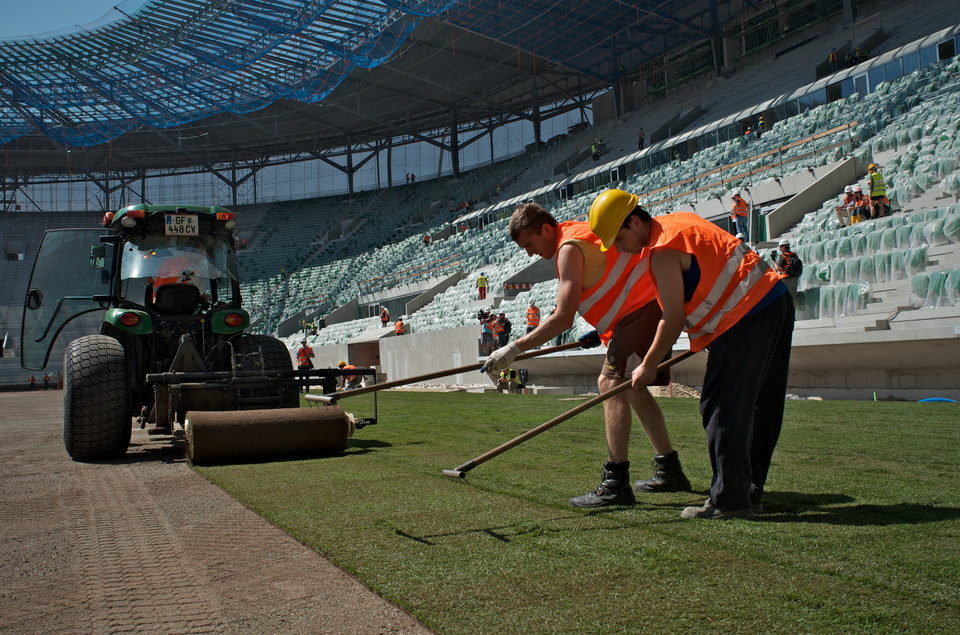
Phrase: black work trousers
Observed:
(742, 401)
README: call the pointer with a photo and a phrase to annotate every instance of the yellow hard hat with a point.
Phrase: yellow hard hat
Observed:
(341, 364)
(872, 166)
(607, 214)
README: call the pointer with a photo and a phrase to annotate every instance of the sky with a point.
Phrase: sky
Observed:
(33, 17)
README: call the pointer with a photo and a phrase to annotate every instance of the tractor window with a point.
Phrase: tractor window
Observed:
(71, 276)
(207, 263)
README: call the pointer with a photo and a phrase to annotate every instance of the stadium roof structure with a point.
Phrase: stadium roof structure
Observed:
(169, 84)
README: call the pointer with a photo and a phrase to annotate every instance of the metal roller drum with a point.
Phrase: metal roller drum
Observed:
(242, 435)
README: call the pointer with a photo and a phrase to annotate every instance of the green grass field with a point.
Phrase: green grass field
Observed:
(861, 531)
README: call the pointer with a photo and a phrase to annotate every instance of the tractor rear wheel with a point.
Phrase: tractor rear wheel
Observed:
(96, 418)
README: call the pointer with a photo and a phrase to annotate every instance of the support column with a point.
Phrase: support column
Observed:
(716, 41)
(454, 145)
(537, 138)
(849, 11)
(349, 166)
(390, 162)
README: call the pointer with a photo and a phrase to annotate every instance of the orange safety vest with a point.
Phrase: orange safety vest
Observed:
(533, 316)
(739, 208)
(348, 378)
(303, 355)
(398, 327)
(733, 277)
(624, 287)
(497, 327)
(384, 315)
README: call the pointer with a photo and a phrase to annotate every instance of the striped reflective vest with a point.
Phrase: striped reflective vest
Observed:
(303, 355)
(497, 327)
(624, 287)
(733, 277)
(739, 208)
(398, 327)
(533, 317)
(384, 315)
(877, 186)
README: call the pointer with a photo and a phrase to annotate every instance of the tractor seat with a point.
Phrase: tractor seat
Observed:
(176, 299)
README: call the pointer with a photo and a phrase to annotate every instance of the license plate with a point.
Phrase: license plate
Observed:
(181, 225)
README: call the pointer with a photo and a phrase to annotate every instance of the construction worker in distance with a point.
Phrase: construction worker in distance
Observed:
(845, 206)
(482, 286)
(727, 297)
(497, 327)
(878, 191)
(624, 321)
(305, 357)
(398, 327)
(739, 209)
(384, 317)
(859, 205)
(533, 316)
(348, 382)
(789, 266)
(509, 381)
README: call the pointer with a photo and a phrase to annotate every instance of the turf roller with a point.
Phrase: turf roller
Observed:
(240, 435)
(461, 470)
(333, 397)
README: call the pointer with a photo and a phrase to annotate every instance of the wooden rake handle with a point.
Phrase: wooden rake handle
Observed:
(460, 472)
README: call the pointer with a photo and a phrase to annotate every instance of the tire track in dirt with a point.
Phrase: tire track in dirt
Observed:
(132, 563)
(147, 545)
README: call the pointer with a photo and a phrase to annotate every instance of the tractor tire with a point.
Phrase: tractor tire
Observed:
(96, 418)
(275, 357)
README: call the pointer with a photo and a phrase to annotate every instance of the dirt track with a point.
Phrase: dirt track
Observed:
(147, 545)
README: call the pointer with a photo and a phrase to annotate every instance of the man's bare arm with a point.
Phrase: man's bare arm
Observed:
(570, 268)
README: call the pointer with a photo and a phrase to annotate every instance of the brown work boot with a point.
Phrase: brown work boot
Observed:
(668, 476)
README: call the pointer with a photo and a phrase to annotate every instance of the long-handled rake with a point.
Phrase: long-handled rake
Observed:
(460, 472)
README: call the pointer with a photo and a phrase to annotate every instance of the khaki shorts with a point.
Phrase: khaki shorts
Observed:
(632, 337)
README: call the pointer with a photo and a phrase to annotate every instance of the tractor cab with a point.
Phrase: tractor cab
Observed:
(149, 266)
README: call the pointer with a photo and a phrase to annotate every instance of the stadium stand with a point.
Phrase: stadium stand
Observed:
(896, 278)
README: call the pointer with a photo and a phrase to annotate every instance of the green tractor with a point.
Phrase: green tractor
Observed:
(172, 336)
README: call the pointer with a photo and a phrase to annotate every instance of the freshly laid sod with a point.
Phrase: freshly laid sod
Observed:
(861, 531)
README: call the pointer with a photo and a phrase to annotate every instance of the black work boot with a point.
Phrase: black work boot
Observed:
(614, 488)
(668, 476)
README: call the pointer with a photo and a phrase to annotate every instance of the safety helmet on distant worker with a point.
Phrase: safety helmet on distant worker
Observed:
(740, 236)
(341, 363)
(872, 166)
(848, 189)
(783, 243)
(303, 341)
(735, 192)
(857, 188)
(607, 214)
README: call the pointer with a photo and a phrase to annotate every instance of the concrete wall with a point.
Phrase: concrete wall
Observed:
(808, 190)
(420, 353)
(427, 297)
(824, 186)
